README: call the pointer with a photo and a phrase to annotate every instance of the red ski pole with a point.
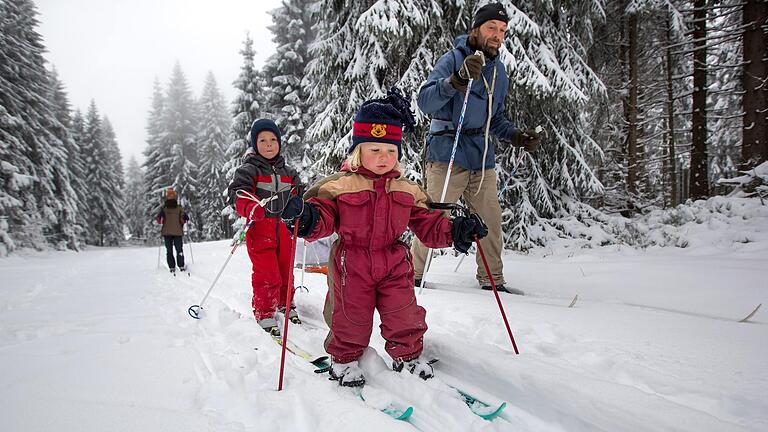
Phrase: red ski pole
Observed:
(288, 300)
(496, 293)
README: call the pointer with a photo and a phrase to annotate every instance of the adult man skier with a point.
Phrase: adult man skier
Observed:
(473, 177)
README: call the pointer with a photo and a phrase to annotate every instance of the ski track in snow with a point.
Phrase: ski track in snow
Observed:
(78, 327)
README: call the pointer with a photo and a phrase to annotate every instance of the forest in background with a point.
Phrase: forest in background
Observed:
(646, 104)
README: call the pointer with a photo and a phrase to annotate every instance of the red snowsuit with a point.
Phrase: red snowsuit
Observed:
(369, 266)
(268, 240)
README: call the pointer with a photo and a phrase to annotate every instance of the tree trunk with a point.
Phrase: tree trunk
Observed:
(671, 160)
(754, 79)
(699, 164)
(631, 105)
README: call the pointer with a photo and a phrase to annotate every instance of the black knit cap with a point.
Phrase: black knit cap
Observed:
(265, 125)
(491, 11)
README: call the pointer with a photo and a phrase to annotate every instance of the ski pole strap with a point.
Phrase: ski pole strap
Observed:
(447, 206)
(455, 208)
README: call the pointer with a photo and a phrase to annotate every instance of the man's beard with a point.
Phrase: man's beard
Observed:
(476, 42)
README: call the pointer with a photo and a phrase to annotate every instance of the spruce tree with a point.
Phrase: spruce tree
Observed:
(78, 172)
(283, 74)
(212, 140)
(245, 109)
(135, 218)
(106, 209)
(70, 174)
(179, 125)
(33, 177)
(157, 162)
(363, 48)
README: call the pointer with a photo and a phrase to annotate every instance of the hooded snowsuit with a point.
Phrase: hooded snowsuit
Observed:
(370, 267)
(268, 240)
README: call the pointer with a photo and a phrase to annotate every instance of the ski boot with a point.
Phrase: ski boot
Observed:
(347, 374)
(503, 288)
(270, 326)
(293, 316)
(414, 366)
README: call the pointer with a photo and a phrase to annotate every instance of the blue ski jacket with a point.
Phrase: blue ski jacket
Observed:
(438, 98)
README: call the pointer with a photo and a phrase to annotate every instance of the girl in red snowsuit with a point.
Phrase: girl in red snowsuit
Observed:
(370, 206)
(264, 174)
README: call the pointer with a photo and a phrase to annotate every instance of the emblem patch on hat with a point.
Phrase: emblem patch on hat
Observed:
(378, 130)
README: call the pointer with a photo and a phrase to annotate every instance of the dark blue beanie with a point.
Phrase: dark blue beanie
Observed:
(491, 11)
(265, 125)
(383, 120)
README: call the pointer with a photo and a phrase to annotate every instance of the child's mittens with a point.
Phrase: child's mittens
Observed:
(465, 230)
(306, 214)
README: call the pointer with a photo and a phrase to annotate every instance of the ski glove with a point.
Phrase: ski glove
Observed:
(471, 68)
(529, 138)
(305, 212)
(465, 229)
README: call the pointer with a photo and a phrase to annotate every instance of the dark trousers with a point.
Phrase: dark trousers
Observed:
(170, 243)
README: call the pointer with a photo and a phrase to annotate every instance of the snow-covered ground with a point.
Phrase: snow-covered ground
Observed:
(101, 341)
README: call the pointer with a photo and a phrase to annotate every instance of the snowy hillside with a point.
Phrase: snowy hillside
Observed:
(101, 341)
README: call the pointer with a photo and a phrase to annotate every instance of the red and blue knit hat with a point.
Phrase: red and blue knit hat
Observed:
(383, 120)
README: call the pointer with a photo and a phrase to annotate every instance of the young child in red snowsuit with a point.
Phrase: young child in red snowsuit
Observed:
(370, 206)
(264, 174)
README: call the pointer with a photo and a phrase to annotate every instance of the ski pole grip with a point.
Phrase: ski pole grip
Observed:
(482, 56)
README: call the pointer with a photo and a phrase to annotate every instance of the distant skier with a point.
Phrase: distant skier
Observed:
(264, 174)
(173, 217)
(370, 205)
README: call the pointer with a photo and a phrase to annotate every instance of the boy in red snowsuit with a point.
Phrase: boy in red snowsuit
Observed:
(264, 174)
(370, 205)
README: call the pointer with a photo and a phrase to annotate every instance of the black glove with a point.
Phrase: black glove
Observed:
(471, 68)
(305, 212)
(529, 138)
(465, 229)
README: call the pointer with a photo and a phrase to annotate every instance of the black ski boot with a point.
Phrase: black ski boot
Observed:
(503, 288)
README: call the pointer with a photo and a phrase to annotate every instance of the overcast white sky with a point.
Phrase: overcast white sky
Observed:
(111, 51)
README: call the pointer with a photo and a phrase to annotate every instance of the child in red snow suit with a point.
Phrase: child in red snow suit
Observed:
(264, 174)
(370, 205)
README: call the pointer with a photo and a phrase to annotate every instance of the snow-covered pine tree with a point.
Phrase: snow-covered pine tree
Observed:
(283, 73)
(551, 85)
(212, 140)
(78, 173)
(70, 178)
(725, 93)
(117, 174)
(135, 217)
(157, 163)
(113, 151)
(105, 207)
(180, 126)
(363, 48)
(245, 109)
(31, 155)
